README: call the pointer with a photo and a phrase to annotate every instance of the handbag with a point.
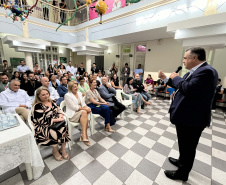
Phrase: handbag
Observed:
(57, 125)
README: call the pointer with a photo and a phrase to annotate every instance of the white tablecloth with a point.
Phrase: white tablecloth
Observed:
(17, 146)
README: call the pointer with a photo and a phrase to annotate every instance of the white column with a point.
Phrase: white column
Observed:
(28, 59)
(88, 63)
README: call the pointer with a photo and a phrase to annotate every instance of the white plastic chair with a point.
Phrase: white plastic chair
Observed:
(126, 103)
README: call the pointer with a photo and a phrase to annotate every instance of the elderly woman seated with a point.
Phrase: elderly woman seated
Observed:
(83, 86)
(76, 109)
(47, 119)
(99, 105)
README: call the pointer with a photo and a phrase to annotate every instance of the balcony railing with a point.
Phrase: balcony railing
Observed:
(47, 11)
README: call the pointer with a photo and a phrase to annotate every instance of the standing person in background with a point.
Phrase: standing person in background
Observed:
(70, 68)
(218, 94)
(5, 68)
(37, 70)
(138, 71)
(4, 84)
(190, 110)
(125, 74)
(22, 68)
(45, 8)
(50, 69)
(113, 70)
(62, 13)
(81, 70)
(76, 69)
(94, 69)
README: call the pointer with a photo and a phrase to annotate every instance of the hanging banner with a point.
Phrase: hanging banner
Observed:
(112, 6)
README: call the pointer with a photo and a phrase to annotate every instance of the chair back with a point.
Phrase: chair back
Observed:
(119, 94)
(63, 106)
(30, 123)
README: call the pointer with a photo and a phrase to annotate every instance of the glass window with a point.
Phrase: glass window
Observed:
(48, 59)
(48, 49)
(126, 49)
(34, 58)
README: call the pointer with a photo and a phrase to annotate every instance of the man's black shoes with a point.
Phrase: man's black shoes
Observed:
(173, 161)
(176, 175)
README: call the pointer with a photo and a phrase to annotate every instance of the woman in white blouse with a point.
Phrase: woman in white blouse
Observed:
(62, 70)
(77, 110)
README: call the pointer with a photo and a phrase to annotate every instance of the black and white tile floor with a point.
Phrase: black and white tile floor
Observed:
(135, 154)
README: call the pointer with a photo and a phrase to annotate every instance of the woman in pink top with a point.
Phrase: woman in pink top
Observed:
(148, 83)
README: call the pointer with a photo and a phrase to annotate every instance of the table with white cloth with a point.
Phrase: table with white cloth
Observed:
(17, 146)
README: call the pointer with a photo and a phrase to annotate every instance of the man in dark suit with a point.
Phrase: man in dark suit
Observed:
(190, 110)
(108, 94)
(125, 74)
(94, 69)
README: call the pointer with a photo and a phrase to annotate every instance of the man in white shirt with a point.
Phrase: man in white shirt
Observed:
(23, 67)
(15, 100)
(53, 92)
(99, 77)
(70, 68)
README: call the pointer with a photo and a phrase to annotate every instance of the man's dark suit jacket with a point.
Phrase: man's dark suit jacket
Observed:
(62, 90)
(193, 101)
(137, 84)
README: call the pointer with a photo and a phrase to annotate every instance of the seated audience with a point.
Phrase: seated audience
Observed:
(136, 97)
(32, 84)
(86, 77)
(5, 68)
(99, 77)
(108, 94)
(76, 109)
(76, 69)
(77, 78)
(113, 70)
(70, 68)
(53, 82)
(70, 76)
(218, 94)
(53, 92)
(160, 86)
(90, 77)
(138, 85)
(94, 69)
(58, 75)
(148, 82)
(94, 77)
(55, 69)
(99, 105)
(66, 75)
(15, 100)
(108, 79)
(103, 73)
(22, 68)
(45, 113)
(38, 78)
(82, 86)
(4, 82)
(62, 69)
(171, 92)
(50, 69)
(46, 74)
(24, 81)
(37, 70)
(81, 70)
(115, 82)
(61, 65)
(16, 76)
(62, 89)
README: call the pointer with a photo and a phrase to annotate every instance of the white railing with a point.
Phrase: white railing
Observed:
(49, 12)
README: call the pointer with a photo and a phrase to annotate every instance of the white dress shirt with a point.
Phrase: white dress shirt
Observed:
(71, 69)
(21, 68)
(9, 100)
(99, 79)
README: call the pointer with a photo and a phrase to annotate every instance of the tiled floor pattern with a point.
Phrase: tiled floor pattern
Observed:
(135, 154)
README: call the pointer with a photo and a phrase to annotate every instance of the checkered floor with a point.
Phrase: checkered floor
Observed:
(135, 154)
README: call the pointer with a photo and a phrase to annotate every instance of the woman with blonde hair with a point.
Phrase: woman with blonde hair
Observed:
(48, 122)
(76, 109)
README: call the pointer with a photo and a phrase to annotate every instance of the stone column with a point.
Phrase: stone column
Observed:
(88, 63)
(28, 59)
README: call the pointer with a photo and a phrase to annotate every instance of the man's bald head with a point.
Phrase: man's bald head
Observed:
(45, 82)
(137, 76)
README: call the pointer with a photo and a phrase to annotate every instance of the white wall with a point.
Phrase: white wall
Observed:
(165, 55)
(78, 59)
(109, 59)
(219, 64)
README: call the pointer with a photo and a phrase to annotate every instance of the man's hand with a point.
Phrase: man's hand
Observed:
(173, 75)
(161, 75)
(108, 85)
